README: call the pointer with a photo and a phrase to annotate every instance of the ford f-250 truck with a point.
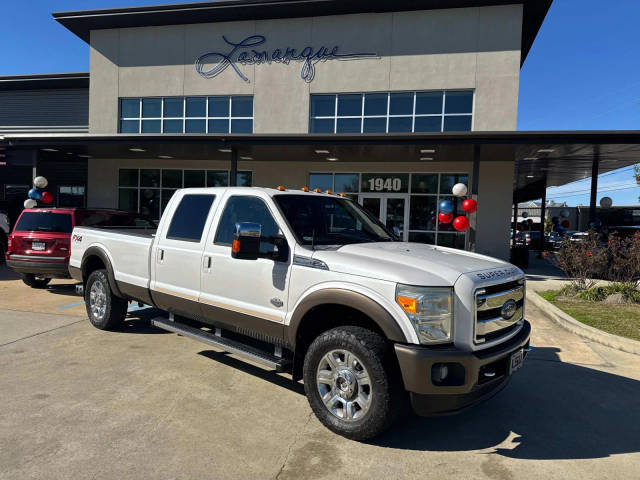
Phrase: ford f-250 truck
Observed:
(312, 284)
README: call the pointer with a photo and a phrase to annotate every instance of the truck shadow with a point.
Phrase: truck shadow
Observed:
(550, 410)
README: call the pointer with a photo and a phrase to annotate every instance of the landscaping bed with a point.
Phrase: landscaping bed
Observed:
(618, 319)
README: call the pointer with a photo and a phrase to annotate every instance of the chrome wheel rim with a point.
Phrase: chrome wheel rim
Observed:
(344, 385)
(98, 300)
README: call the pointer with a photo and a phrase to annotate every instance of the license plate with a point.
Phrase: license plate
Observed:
(516, 361)
(38, 246)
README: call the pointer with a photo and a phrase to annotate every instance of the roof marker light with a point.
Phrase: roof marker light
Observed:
(305, 189)
(328, 191)
(281, 188)
(317, 190)
(343, 194)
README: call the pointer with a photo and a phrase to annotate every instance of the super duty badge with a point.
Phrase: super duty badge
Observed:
(503, 272)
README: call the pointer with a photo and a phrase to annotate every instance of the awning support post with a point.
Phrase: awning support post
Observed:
(515, 222)
(543, 214)
(233, 171)
(595, 167)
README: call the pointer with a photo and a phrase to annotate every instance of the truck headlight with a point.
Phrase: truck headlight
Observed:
(430, 309)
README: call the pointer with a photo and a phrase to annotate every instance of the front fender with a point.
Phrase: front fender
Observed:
(340, 295)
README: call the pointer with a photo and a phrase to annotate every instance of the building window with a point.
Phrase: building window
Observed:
(392, 112)
(219, 114)
(148, 190)
(419, 193)
(71, 196)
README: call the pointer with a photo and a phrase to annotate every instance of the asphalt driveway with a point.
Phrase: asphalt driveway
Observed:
(140, 403)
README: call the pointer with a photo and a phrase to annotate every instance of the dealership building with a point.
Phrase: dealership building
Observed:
(391, 103)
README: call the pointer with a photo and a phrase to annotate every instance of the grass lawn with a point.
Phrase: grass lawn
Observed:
(623, 320)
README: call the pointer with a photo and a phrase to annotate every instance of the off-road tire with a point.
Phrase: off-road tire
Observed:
(35, 282)
(378, 358)
(113, 307)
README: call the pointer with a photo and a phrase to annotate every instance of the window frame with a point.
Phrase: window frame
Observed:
(413, 115)
(184, 116)
(84, 195)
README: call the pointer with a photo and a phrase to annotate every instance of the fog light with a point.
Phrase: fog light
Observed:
(439, 372)
(447, 374)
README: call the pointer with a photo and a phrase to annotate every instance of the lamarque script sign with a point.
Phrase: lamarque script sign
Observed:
(245, 53)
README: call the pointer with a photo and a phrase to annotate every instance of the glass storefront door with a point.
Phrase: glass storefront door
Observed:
(392, 210)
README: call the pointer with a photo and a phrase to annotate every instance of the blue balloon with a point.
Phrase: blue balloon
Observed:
(446, 207)
(35, 194)
(555, 220)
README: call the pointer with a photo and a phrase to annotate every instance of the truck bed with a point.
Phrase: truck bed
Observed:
(128, 250)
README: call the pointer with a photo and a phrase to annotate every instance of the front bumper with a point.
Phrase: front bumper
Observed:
(469, 384)
(40, 268)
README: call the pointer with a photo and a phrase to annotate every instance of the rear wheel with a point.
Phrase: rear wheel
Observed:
(350, 382)
(106, 311)
(34, 281)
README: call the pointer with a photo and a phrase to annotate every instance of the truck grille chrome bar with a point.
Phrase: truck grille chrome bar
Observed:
(498, 310)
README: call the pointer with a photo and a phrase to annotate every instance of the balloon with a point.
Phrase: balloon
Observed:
(461, 223)
(445, 217)
(525, 214)
(606, 202)
(29, 203)
(595, 223)
(555, 220)
(556, 227)
(564, 213)
(565, 224)
(47, 197)
(519, 227)
(459, 190)
(446, 206)
(469, 205)
(530, 221)
(40, 182)
(35, 194)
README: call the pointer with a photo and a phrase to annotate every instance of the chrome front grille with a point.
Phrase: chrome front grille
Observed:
(499, 309)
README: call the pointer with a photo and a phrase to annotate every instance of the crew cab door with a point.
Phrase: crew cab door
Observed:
(248, 295)
(176, 255)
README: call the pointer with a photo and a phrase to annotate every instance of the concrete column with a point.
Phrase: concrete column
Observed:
(543, 211)
(474, 194)
(595, 166)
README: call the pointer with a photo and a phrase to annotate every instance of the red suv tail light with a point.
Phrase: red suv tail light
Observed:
(9, 241)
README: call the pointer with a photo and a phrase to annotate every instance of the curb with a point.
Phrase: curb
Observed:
(585, 331)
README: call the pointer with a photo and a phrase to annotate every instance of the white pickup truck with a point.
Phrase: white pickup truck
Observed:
(312, 284)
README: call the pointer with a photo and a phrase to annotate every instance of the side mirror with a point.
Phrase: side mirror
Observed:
(246, 241)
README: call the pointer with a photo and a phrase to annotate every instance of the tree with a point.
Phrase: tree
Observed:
(636, 173)
(548, 224)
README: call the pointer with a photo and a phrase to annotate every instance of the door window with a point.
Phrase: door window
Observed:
(247, 209)
(189, 218)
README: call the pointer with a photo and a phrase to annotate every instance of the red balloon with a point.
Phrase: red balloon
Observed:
(461, 223)
(445, 217)
(565, 224)
(46, 198)
(530, 222)
(469, 205)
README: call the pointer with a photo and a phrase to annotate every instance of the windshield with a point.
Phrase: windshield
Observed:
(44, 222)
(330, 221)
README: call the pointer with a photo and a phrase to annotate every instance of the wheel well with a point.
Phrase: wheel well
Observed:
(91, 264)
(322, 318)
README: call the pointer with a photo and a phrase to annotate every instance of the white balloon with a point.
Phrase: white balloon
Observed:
(459, 190)
(40, 182)
(606, 202)
(30, 203)
(564, 213)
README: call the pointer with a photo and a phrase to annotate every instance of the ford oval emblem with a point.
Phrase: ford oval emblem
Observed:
(509, 309)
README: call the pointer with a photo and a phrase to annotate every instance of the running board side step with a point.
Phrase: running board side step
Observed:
(278, 363)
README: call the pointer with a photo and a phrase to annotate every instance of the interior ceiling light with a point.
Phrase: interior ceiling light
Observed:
(246, 158)
(84, 155)
(49, 149)
(428, 150)
(165, 156)
(546, 150)
(529, 176)
(224, 150)
(322, 152)
(530, 158)
(332, 159)
(426, 159)
(137, 150)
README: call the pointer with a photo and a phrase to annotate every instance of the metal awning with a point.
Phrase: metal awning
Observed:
(542, 158)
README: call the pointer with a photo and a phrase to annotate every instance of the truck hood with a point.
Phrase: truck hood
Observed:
(410, 263)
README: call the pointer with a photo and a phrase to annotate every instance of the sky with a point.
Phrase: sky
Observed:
(582, 73)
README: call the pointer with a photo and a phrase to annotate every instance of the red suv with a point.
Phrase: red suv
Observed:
(39, 246)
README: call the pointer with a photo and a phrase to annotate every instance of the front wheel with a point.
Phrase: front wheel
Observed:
(106, 311)
(35, 282)
(350, 383)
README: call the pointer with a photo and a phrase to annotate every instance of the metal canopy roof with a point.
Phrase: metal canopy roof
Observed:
(44, 81)
(542, 158)
(82, 22)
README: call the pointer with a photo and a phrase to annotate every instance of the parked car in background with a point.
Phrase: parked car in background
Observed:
(4, 233)
(39, 246)
(579, 236)
(553, 240)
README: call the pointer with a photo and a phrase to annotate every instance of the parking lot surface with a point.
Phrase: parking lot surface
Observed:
(140, 403)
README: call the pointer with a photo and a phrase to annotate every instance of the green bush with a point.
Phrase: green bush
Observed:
(598, 294)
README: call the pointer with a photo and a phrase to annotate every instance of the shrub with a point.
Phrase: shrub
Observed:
(598, 294)
(623, 255)
(582, 261)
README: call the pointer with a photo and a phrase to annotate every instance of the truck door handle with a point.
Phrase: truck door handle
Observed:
(206, 264)
(160, 256)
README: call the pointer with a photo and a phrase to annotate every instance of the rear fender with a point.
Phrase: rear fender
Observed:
(103, 255)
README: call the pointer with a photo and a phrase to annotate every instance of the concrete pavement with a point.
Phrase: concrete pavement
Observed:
(81, 403)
